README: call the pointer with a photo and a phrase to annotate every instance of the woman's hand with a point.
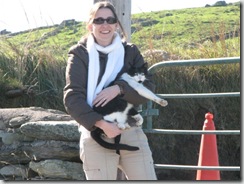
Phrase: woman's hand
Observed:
(110, 129)
(106, 95)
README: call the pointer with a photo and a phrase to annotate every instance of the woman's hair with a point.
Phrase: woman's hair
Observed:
(105, 4)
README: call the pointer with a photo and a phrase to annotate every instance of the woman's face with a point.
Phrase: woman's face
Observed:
(104, 32)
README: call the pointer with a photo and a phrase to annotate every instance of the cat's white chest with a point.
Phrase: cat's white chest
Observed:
(120, 117)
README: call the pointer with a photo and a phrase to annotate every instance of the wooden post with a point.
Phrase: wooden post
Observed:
(123, 10)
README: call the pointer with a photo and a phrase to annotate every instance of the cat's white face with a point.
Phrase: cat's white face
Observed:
(139, 77)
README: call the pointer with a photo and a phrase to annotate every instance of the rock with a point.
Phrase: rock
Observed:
(58, 169)
(39, 150)
(15, 93)
(11, 138)
(15, 117)
(17, 121)
(52, 130)
(13, 154)
(220, 3)
(14, 170)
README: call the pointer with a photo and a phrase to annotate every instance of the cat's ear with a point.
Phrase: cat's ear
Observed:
(145, 64)
(131, 65)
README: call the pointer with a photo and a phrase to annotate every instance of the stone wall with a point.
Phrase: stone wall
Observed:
(39, 144)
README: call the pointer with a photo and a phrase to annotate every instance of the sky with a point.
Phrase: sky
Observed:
(20, 15)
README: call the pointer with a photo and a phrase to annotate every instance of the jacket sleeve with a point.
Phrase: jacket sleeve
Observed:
(133, 57)
(75, 89)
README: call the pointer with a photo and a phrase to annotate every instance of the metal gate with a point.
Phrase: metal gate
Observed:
(149, 111)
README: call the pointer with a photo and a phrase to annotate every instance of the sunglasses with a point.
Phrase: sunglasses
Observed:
(109, 20)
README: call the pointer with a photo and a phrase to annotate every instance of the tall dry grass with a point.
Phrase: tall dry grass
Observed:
(30, 77)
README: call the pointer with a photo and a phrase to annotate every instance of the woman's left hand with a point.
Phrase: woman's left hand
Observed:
(106, 95)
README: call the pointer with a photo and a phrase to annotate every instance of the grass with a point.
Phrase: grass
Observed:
(34, 62)
(37, 73)
(181, 27)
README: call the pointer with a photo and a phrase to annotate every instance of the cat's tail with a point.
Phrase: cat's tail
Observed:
(112, 146)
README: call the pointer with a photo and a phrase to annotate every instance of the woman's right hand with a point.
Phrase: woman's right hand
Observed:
(110, 129)
(106, 95)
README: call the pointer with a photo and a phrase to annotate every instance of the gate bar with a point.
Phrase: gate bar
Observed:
(191, 167)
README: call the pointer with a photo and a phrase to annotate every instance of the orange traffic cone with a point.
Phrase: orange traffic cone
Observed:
(208, 154)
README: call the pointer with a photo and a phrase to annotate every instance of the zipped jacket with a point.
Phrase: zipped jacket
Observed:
(75, 90)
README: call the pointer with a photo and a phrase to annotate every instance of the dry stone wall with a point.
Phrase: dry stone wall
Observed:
(39, 144)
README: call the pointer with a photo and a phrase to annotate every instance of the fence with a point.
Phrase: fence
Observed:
(149, 111)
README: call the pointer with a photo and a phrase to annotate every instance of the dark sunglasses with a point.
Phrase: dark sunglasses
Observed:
(109, 20)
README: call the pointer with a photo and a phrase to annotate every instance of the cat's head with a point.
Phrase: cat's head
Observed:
(139, 73)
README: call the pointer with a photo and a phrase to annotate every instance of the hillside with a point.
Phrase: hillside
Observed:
(184, 27)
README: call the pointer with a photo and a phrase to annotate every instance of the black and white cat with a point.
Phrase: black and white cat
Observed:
(119, 110)
(135, 77)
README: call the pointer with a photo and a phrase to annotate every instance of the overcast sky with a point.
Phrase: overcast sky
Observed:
(19, 15)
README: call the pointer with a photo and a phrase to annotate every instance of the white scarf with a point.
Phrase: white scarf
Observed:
(115, 63)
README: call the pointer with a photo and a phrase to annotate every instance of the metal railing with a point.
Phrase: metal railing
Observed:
(149, 111)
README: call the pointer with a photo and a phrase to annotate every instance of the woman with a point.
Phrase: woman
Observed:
(97, 60)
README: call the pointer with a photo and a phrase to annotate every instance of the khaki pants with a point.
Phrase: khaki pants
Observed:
(101, 164)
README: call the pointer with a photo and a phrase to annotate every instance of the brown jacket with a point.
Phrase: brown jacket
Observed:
(75, 90)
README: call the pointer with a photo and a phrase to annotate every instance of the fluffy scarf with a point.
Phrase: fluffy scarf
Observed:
(115, 63)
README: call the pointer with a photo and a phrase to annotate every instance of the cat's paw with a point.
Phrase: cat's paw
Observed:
(127, 126)
(121, 126)
(163, 102)
(139, 119)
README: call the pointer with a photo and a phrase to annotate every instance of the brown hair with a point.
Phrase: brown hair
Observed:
(105, 4)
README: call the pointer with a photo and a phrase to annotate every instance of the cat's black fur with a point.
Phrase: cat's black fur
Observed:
(117, 105)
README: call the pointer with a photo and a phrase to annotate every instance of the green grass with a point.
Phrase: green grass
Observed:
(184, 26)
(34, 62)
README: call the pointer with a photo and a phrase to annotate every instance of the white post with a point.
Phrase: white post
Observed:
(123, 10)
